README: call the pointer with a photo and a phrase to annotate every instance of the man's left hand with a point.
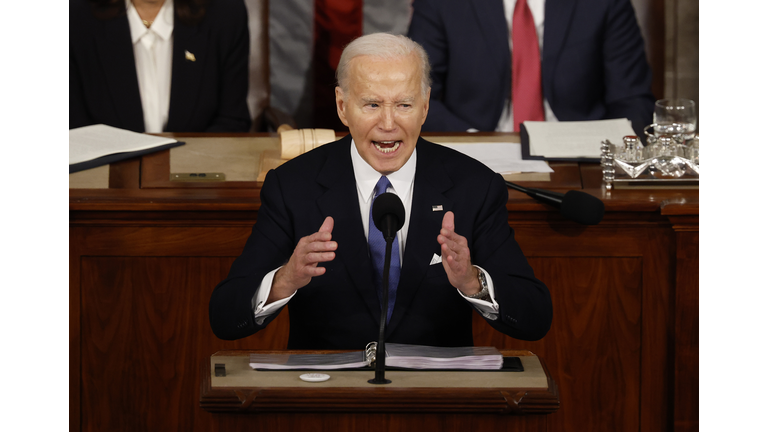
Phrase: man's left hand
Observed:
(456, 260)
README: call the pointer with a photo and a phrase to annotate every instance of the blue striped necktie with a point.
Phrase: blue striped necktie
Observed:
(378, 247)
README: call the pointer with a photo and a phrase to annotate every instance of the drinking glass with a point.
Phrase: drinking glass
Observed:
(675, 117)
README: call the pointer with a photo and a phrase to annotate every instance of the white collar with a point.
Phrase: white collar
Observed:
(366, 177)
(162, 26)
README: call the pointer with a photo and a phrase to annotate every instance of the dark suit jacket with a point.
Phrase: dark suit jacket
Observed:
(340, 309)
(207, 95)
(593, 62)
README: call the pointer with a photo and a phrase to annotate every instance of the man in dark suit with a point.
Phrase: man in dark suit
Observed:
(209, 68)
(309, 248)
(593, 63)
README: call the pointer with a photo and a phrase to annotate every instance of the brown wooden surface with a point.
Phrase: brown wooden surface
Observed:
(125, 174)
(623, 348)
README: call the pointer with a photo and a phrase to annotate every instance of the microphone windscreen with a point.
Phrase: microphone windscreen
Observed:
(388, 204)
(582, 208)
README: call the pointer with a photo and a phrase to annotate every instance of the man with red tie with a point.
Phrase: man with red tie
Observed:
(497, 63)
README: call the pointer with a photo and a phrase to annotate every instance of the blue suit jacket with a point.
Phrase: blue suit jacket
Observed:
(207, 95)
(593, 62)
(340, 309)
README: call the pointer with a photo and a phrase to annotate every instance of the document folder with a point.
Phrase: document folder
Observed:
(117, 157)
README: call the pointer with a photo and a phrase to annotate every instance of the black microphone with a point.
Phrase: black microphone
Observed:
(574, 205)
(388, 215)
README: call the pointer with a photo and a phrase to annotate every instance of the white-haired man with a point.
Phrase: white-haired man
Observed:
(310, 246)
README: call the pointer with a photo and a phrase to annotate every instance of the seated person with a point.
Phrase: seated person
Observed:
(591, 66)
(159, 65)
(309, 248)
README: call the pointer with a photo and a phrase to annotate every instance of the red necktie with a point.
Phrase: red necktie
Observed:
(527, 101)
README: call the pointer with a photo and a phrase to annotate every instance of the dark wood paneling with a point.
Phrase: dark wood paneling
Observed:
(144, 329)
(181, 240)
(75, 335)
(593, 349)
(686, 391)
(334, 422)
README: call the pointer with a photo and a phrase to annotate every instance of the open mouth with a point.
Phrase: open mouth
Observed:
(387, 146)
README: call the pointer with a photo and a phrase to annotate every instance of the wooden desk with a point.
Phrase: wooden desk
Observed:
(146, 254)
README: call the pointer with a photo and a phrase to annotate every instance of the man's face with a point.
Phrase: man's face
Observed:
(384, 109)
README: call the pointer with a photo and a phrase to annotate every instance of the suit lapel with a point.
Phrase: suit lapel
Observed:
(490, 18)
(557, 19)
(340, 202)
(116, 56)
(186, 74)
(430, 183)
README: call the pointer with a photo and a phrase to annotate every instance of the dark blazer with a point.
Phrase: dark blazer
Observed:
(593, 62)
(207, 95)
(340, 309)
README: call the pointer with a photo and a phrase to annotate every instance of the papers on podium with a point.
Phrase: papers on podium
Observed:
(502, 158)
(398, 356)
(350, 360)
(571, 141)
(96, 145)
(428, 357)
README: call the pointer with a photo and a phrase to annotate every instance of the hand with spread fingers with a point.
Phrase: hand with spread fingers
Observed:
(302, 266)
(456, 259)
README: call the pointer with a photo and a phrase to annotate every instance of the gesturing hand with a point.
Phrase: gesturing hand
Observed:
(456, 260)
(302, 266)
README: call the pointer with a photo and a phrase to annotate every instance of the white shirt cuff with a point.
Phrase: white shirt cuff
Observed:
(488, 309)
(261, 310)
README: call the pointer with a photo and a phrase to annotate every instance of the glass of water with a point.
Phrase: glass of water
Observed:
(675, 117)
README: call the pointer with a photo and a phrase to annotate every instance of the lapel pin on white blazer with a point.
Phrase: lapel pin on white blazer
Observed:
(189, 56)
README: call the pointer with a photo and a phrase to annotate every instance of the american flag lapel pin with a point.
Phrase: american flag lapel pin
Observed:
(189, 56)
(437, 208)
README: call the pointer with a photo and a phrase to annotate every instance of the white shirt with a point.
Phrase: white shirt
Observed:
(402, 185)
(153, 53)
(506, 122)
(366, 178)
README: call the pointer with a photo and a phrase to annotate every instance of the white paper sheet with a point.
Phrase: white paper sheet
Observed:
(91, 142)
(579, 139)
(502, 158)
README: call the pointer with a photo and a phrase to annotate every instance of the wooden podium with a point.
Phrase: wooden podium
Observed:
(503, 400)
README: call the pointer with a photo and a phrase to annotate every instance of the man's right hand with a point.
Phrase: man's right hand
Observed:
(302, 266)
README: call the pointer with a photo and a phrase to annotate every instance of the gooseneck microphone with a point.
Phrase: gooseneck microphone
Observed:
(388, 215)
(575, 205)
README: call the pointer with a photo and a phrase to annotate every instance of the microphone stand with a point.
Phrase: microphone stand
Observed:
(575, 205)
(380, 351)
(547, 197)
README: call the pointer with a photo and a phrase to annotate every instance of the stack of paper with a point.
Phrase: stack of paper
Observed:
(571, 140)
(398, 355)
(96, 145)
(429, 357)
(349, 360)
